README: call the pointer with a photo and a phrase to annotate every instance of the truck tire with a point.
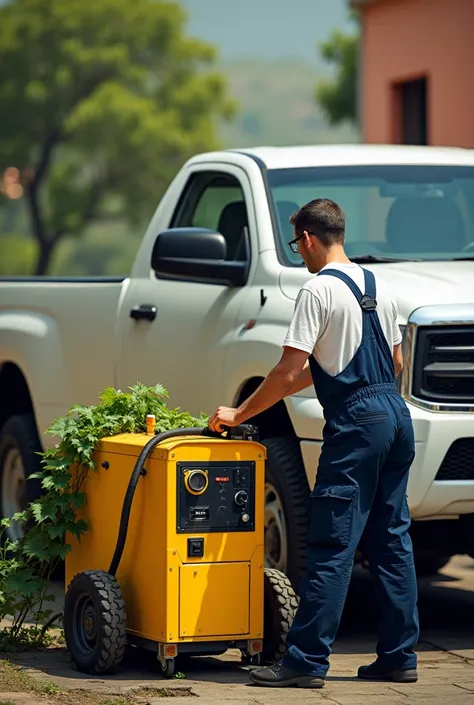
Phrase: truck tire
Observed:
(19, 444)
(287, 499)
(429, 564)
(280, 605)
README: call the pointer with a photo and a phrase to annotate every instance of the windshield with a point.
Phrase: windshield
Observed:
(417, 212)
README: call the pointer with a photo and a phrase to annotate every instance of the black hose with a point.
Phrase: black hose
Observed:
(137, 471)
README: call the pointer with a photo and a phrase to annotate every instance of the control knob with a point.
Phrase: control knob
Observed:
(241, 498)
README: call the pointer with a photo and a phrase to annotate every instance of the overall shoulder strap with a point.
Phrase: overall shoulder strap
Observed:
(346, 279)
(367, 301)
(370, 288)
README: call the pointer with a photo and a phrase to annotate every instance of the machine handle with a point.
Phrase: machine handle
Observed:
(244, 432)
(143, 312)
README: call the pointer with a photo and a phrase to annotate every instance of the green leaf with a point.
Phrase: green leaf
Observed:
(55, 531)
(161, 391)
(37, 546)
(23, 582)
(78, 528)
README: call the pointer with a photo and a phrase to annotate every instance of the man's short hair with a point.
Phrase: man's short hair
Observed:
(323, 218)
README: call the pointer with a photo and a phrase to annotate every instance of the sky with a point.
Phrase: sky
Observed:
(271, 29)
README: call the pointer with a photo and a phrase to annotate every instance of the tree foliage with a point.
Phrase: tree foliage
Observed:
(338, 96)
(101, 102)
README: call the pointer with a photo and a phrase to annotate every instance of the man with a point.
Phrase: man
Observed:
(345, 340)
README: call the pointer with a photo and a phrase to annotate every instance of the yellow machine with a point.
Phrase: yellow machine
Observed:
(173, 558)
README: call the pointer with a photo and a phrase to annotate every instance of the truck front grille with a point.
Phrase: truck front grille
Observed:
(458, 463)
(444, 364)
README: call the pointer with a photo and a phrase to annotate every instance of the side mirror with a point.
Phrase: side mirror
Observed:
(196, 254)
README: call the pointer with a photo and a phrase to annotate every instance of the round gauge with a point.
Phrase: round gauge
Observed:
(196, 481)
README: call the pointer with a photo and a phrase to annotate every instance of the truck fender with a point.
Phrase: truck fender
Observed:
(31, 341)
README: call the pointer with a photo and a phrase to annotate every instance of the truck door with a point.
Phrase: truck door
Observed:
(184, 346)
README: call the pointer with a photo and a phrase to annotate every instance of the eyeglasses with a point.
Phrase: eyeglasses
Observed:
(293, 244)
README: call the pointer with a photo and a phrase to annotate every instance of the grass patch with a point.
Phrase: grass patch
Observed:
(148, 692)
(27, 639)
(14, 679)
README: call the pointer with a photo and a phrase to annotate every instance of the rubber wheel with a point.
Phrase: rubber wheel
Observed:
(94, 622)
(169, 668)
(247, 660)
(19, 443)
(280, 605)
(287, 508)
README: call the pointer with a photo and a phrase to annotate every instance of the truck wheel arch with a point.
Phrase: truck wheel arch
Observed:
(19, 442)
(15, 395)
(272, 422)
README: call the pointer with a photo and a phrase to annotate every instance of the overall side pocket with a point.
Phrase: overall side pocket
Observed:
(332, 511)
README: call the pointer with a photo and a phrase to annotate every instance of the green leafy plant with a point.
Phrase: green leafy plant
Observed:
(26, 565)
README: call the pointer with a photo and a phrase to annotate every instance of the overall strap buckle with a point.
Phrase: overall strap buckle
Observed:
(368, 303)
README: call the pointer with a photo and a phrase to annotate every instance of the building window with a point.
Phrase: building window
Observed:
(411, 112)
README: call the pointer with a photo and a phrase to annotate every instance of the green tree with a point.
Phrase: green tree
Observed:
(100, 103)
(338, 96)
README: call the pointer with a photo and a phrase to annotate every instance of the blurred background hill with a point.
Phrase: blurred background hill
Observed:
(269, 52)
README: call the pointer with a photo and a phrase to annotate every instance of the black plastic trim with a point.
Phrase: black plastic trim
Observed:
(67, 280)
(425, 369)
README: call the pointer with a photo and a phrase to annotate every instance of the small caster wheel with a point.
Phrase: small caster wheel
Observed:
(248, 660)
(168, 668)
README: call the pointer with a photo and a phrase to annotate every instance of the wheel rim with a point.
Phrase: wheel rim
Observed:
(13, 491)
(275, 530)
(84, 624)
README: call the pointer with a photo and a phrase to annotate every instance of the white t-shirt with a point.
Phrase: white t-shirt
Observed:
(327, 320)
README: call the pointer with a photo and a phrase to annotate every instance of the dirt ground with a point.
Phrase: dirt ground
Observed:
(446, 662)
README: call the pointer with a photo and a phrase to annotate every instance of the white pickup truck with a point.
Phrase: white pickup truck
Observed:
(207, 304)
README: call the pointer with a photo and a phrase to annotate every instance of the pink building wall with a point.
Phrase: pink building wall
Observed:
(407, 39)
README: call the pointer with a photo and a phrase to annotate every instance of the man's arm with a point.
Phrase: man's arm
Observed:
(304, 380)
(291, 374)
(398, 358)
(397, 340)
(279, 383)
(276, 385)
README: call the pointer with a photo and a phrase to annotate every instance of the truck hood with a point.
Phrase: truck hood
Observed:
(413, 284)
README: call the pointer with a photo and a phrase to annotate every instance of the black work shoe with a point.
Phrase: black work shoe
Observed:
(279, 676)
(373, 672)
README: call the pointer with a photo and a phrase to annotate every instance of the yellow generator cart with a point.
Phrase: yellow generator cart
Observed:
(173, 558)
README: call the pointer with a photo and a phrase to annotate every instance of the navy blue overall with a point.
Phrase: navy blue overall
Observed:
(360, 488)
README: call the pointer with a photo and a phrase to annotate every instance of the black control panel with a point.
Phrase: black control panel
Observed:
(215, 497)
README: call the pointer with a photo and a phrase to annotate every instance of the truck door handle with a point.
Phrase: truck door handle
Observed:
(143, 312)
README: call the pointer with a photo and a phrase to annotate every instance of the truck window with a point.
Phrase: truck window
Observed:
(422, 212)
(216, 201)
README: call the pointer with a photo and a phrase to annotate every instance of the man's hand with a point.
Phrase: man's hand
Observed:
(223, 416)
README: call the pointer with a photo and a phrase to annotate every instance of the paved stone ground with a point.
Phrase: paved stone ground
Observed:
(446, 658)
